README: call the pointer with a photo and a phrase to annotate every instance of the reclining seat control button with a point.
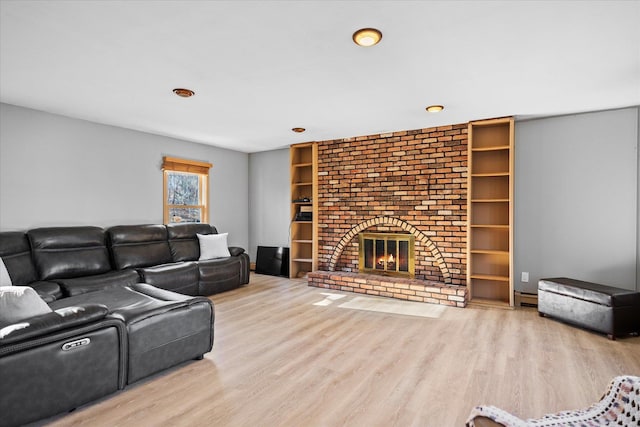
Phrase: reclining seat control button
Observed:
(74, 344)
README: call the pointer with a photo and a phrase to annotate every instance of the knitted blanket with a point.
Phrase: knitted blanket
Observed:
(619, 406)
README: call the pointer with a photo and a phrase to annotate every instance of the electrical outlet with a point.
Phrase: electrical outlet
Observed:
(525, 277)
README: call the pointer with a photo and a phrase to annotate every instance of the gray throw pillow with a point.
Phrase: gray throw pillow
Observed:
(18, 303)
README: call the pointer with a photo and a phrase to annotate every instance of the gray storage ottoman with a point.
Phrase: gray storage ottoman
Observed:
(601, 308)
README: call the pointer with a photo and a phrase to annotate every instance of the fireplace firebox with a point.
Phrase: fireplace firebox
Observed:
(387, 254)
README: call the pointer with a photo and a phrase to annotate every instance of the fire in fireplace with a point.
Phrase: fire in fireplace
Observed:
(387, 254)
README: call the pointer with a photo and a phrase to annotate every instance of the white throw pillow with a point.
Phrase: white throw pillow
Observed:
(19, 303)
(213, 246)
(5, 279)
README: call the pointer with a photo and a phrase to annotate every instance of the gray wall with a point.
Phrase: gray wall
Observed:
(576, 198)
(269, 192)
(56, 171)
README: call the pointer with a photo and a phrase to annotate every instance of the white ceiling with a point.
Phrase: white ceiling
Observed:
(260, 68)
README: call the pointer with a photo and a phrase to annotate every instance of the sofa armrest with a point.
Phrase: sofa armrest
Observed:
(165, 295)
(48, 291)
(244, 268)
(82, 285)
(48, 323)
(235, 250)
(181, 277)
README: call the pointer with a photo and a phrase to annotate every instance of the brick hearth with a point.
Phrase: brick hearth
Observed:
(392, 287)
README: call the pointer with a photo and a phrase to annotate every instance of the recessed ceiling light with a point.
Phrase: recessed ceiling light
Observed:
(298, 130)
(366, 37)
(184, 93)
(435, 108)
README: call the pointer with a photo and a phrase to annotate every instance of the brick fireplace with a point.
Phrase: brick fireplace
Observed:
(402, 182)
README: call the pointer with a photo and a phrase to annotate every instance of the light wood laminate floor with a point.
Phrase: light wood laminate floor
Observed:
(280, 360)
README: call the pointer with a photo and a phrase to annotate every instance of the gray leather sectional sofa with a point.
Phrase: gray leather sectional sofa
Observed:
(126, 302)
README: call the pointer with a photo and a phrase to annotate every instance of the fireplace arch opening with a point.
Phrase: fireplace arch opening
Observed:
(390, 221)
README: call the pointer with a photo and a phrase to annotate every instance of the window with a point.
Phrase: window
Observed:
(185, 190)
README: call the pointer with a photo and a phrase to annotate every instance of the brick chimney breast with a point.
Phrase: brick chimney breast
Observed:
(408, 181)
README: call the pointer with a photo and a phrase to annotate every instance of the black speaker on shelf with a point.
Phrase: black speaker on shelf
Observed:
(273, 260)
